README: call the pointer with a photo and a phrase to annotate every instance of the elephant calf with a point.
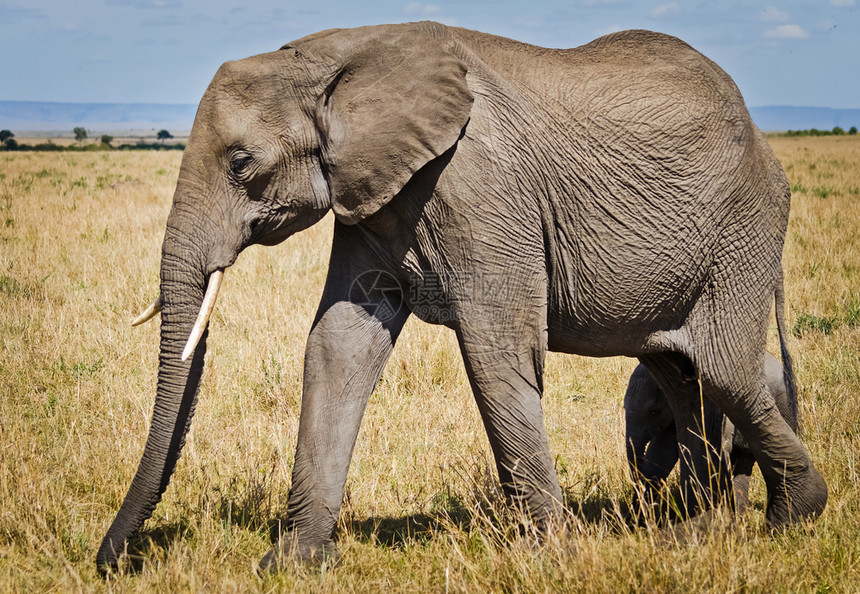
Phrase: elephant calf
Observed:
(652, 442)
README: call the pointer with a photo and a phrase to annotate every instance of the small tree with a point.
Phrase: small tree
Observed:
(11, 144)
(837, 131)
(5, 135)
(164, 135)
(107, 139)
(80, 134)
(852, 130)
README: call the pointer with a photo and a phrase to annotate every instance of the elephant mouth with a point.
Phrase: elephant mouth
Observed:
(206, 309)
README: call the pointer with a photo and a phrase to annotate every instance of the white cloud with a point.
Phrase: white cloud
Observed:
(772, 14)
(145, 3)
(841, 2)
(665, 10)
(786, 32)
(418, 8)
(607, 30)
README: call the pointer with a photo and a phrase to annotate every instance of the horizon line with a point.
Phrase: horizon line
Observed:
(197, 103)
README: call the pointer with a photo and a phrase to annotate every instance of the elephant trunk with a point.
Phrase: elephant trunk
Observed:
(183, 280)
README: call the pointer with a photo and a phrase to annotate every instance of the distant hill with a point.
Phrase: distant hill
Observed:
(782, 118)
(45, 116)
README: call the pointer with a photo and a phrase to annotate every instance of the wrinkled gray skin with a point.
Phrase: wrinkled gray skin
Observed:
(612, 199)
(652, 439)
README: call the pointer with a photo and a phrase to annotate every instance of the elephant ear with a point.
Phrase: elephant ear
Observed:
(398, 101)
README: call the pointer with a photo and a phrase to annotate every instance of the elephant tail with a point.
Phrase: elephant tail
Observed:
(787, 363)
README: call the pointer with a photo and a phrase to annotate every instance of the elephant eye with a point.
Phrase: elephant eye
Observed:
(240, 162)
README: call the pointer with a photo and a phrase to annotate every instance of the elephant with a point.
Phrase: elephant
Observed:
(652, 442)
(613, 199)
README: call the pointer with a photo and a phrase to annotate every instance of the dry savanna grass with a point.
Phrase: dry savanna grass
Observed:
(80, 237)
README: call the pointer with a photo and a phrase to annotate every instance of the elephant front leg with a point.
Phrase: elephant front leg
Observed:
(346, 351)
(742, 462)
(507, 385)
(742, 466)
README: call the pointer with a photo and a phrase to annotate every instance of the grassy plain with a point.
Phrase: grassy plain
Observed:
(80, 236)
(94, 137)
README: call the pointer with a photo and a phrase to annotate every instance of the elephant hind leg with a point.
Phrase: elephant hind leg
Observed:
(735, 382)
(705, 477)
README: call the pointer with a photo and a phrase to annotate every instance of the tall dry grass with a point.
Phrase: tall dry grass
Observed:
(79, 249)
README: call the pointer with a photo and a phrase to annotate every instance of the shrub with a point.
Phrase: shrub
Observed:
(806, 323)
(822, 191)
(836, 131)
(151, 147)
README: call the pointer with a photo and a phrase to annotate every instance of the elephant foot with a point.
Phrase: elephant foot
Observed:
(287, 553)
(799, 500)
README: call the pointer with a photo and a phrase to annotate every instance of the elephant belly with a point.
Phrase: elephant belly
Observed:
(625, 269)
(638, 304)
(608, 343)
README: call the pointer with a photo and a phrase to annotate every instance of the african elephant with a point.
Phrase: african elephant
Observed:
(652, 442)
(612, 199)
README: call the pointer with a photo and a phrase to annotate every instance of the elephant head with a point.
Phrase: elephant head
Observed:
(338, 120)
(651, 442)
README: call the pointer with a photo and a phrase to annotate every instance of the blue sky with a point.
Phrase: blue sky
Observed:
(165, 51)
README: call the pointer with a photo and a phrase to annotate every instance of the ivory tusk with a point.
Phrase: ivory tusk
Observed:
(205, 311)
(149, 313)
